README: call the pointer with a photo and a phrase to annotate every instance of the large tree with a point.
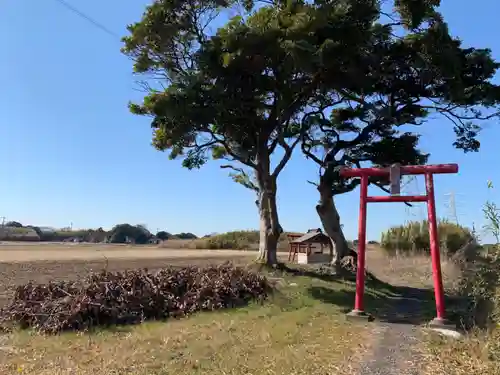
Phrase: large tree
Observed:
(339, 75)
(410, 70)
(236, 94)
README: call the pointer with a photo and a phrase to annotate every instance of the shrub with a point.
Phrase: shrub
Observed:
(237, 240)
(18, 234)
(185, 236)
(480, 285)
(123, 232)
(414, 237)
(106, 298)
(162, 235)
(14, 224)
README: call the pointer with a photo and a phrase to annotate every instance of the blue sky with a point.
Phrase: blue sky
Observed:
(71, 152)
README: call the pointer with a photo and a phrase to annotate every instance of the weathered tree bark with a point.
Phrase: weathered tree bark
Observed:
(268, 241)
(270, 228)
(330, 219)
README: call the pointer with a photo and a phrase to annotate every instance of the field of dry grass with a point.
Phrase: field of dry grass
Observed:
(414, 271)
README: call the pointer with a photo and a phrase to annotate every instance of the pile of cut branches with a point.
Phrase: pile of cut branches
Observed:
(105, 298)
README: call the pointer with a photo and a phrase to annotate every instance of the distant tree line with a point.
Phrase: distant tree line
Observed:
(120, 233)
(14, 224)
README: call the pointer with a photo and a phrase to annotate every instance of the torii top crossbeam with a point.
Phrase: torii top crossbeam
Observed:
(404, 169)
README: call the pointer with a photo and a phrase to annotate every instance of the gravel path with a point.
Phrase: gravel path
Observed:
(394, 352)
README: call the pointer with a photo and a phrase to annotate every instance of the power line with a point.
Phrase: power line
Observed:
(88, 18)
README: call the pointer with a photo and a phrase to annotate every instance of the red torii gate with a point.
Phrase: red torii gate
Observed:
(395, 172)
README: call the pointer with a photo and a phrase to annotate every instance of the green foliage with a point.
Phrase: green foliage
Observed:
(18, 234)
(123, 233)
(480, 285)
(162, 235)
(266, 80)
(414, 238)
(273, 73)
(492, 216)
(14, 224)
(237, 240)
(218, 79)
(392, 79)
(185, 236)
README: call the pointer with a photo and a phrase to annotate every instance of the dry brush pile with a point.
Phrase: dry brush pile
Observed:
(106, 298)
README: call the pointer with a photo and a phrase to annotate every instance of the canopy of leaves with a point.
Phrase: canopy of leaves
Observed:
(244, 87)
(186, 236)
(409, 70)
(123, 232)
(162, 235)
(338, 75)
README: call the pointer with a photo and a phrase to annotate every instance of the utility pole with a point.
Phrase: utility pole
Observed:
(3, 220)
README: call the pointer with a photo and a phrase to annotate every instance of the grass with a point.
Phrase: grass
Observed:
(301, 330)
(297, 332)
(468, 356)
(410, 270)
(478, 352)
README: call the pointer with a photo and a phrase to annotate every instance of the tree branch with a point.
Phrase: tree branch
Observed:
(227, 147)
(241, 177)
(288, 154)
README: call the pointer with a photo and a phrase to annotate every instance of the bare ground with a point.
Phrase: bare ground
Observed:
(60, 252)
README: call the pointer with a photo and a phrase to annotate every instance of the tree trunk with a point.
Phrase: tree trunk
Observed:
(270, 228)
(330, 220)
(268, 243)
